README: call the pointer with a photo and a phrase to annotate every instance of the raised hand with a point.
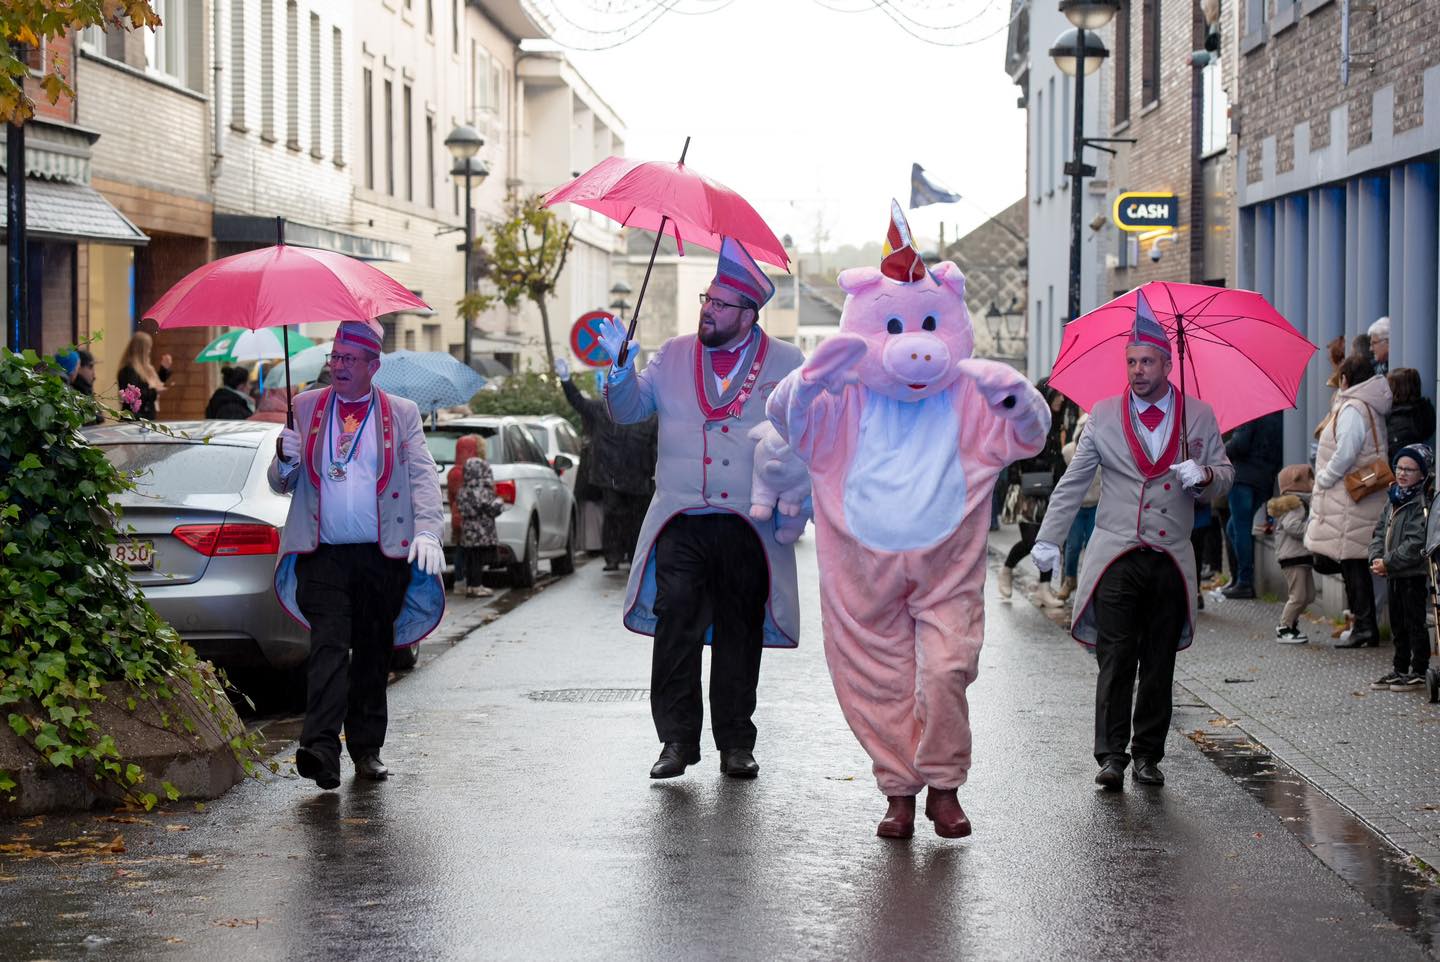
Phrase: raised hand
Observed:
(997, 383)
(832, 364)
(562, 369)
(612, 339)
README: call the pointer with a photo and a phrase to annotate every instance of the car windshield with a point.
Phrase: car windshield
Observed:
(541, 433)
(173, 471)
(442, 443)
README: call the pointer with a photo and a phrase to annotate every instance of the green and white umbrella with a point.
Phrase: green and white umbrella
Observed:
(304, 365)
(263, 344)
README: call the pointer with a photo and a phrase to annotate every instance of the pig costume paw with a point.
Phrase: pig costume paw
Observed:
(1006, 391)
(780, 480)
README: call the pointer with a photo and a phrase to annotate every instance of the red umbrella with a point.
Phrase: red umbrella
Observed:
(1233, 350)
(674, 199)
(278, 286)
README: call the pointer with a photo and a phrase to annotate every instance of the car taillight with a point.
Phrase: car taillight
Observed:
(228, 540)
(506, 490)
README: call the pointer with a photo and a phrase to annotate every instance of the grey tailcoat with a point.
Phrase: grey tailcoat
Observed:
(706, 463)
(1141, 504)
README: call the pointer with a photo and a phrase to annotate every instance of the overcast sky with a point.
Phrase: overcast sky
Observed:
(803, 109)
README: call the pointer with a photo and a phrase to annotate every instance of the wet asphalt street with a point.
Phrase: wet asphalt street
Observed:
(520, 824)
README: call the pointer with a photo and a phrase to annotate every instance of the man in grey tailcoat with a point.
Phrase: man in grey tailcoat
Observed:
(1135, 603)
(703, 569)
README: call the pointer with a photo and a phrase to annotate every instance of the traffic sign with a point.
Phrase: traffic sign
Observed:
(585, 338)
(1138, 211)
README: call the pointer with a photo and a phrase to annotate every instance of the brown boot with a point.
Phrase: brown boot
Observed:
(1067, 588)
(943, 808)
(899, 820)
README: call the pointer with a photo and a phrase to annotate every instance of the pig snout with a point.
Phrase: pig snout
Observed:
(916, 360)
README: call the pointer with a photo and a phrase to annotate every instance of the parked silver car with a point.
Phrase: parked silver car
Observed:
(206, 532)
(559, 442)
(539, 517)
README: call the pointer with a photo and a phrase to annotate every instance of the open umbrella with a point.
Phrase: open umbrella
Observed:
(432, 379)
(670, 198)
(304, 365)
(244, 345)
(1233, 350)
(277, 286)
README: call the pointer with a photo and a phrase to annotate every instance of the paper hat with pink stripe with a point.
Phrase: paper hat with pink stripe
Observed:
(1147, 331)
(902, 261)
(739, 272)
(366, 334)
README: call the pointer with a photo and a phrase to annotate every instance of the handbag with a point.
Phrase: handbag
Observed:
(1373, 477)
(1036, 484)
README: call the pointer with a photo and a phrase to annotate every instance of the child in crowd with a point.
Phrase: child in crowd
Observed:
(1397, 553)
(1290, 510)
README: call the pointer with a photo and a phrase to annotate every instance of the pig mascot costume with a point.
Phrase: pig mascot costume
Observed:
(904, 433)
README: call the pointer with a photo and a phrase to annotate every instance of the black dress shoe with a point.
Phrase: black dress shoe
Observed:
(1148, 772)
(739, 763)
(1112, 775)
(674, 758)
(309, 764)
(1238, 591)
(371, 767)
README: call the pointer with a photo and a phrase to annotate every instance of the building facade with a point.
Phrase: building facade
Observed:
(993, 258)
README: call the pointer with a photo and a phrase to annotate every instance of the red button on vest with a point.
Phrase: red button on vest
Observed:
(1162, 532)
(725, 429)
(1167, 485)
(724, 494)
(405, 543)
(707, 460)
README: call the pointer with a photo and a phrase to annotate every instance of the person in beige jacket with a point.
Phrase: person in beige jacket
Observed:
(1351, 436)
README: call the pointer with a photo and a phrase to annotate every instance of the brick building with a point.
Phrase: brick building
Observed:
(993, 257)
(1339, 135)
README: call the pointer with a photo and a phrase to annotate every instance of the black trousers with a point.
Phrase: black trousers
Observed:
(1140, 610)
(620, 527)
(351, 595)
(1029, 530)
(710, 573)
(1360, 598)
(1408, 600)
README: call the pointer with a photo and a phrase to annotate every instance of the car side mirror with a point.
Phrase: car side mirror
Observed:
(563, 463)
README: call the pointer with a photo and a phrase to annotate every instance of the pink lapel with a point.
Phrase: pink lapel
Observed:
(387, 440)
(1137, 448)
(322, 407)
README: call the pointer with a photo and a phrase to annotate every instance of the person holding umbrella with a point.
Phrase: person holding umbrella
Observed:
(361, 555)
(1135, 603)
(703, 569)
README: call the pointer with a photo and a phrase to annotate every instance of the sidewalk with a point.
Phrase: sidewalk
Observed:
(1377, 753)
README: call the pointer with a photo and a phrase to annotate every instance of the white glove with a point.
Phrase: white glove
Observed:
(1191, 475)
(562, 369)
(427, 555)
(612, 339)
(290, 445)
(1045, 554)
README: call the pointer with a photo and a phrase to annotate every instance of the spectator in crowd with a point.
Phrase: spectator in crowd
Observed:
(1379, 333)
(138, 372)
(1412, 416)
(1255, 450)
(1351, 436)
(1084, 524)
(467, 446)
(1397, 554)
(69, 362)
(271, 407)
(1290, 510)
(84, 379)
(231, 402)
(1033, 503)
(479, 507)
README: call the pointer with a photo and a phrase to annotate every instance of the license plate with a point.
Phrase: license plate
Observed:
(134, 554)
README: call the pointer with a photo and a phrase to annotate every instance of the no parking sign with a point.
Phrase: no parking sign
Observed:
(585, 339)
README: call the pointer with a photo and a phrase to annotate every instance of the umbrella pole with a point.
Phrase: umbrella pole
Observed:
(285, 349)
(1184, 425)
(655, 249)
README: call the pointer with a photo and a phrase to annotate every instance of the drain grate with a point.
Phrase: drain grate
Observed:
(591, 694)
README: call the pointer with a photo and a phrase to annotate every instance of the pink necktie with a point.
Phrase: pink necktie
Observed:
(1151, 417)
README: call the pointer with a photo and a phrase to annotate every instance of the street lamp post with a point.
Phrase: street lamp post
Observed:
(464, 143)
(1078, 53)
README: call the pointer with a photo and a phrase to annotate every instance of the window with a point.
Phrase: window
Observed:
(337, 94)
(267, 69)
(1150, 54)
(174, 49)
(237, 64)
(367, 96)
(390, 138)
(1122, 64)
(497, 81)
(408, 126)
(316, 130)
(1214, 111)
(107, 43)
(292, 75)
(430, 160)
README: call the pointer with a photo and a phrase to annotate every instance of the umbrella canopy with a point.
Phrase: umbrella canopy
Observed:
(695, 209)
(1240, 355)
(280, 285)
(245, 345)
(432, 379)
(304, 366)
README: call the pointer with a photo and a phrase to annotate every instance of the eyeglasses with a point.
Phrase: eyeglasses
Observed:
(1405, 469)
(707, 299)
(344, 360)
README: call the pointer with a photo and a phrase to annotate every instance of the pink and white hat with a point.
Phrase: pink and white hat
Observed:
(1146, 331)
(739, 272)
(366, 334)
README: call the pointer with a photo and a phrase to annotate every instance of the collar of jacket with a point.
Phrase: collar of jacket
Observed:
(1138, 451)
(319, 421)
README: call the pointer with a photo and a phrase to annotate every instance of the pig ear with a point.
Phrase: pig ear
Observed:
(948, 274)
(857, 279)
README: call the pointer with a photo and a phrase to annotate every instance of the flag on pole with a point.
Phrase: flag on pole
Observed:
(924, 190)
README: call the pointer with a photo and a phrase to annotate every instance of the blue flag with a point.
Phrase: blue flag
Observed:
(924, 191)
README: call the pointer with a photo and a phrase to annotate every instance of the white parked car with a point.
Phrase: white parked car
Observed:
(539, 519)
(557, 438)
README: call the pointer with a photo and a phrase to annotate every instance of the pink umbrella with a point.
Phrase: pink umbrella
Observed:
(278, 286)
(670, 198)
(1233, 350)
